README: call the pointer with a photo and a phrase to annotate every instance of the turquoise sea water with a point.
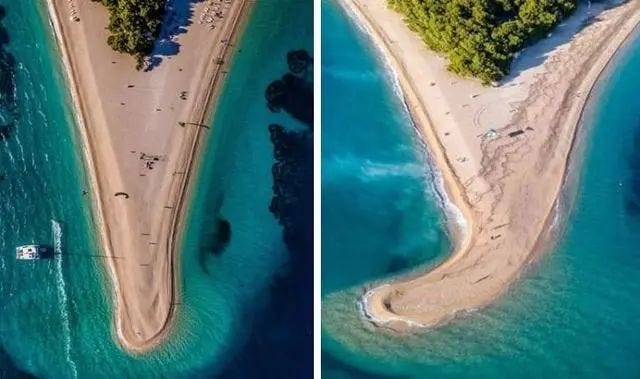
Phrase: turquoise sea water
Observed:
(375, 180)
(574, 312)
(55, 316)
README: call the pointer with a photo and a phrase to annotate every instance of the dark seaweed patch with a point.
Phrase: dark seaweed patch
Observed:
(293, 93)
(299, 61)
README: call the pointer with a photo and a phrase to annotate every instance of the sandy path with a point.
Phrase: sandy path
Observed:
(505, 185)
(130, 124)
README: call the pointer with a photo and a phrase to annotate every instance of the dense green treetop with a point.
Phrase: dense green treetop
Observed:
(134, 25)
(481, 37)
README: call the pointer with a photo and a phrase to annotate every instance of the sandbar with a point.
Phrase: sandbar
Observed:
(140, 134)
(502, 152)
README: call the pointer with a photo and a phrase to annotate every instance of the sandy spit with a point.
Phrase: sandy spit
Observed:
(502, 152)
(140, 134)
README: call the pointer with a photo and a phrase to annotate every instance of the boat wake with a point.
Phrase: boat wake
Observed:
(62, 294)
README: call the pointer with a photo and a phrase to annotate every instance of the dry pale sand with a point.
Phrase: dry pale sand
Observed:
(133, 143)
(504, 185)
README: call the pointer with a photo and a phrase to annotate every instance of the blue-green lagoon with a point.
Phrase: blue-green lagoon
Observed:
(573, 314)
(56, 315)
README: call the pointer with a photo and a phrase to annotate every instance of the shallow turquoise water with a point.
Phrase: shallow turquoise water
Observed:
(375, 183)
(55, 316)
(573, 314)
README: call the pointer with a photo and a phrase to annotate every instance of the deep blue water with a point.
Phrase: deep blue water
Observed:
(572, 315)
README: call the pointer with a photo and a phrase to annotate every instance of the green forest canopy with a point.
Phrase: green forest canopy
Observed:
(481, 37)
(134, 25)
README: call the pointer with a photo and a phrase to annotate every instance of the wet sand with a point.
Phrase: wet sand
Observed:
(140, 134)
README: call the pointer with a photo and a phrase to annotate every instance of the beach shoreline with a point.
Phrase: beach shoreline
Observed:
(423, 300)
(196, 152)
(456, 222)
(200, 112)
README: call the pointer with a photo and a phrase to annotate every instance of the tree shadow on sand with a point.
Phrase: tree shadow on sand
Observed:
(178, 16)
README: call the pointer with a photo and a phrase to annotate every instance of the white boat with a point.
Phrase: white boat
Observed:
(30, 252)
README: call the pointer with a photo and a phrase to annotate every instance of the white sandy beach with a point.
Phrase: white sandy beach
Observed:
(140, 133)
(502, 152)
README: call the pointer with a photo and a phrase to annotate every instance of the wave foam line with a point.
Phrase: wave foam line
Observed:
(22, 156)
(363, 307)
(8, 151)
(62, 294)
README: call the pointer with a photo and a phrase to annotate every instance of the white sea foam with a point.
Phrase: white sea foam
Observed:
(44, 117)
(363, 308)
(8, 151)
(24, 163)
(350, 75)
(452, 213)
(368, 170)
(374, 170)
(43, 93)
(557, 215)
(392, 74)
(437, 186)
(62, 294)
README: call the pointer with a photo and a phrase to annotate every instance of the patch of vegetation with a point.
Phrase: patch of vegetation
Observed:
(481, 37)
(134, 26)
